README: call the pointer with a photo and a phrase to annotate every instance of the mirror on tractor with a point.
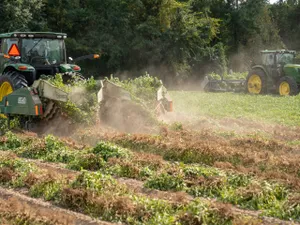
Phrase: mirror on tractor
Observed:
(91, 56)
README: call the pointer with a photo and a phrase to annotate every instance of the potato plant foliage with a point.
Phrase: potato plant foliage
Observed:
(82, 106)
(142, 89)
(107, 159)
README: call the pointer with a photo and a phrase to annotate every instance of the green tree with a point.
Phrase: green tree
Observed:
(286, 14)
(17, 14)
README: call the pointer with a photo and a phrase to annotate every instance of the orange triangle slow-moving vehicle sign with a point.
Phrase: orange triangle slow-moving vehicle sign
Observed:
(14, 50)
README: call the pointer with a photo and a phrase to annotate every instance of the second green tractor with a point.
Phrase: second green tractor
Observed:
(277, 73)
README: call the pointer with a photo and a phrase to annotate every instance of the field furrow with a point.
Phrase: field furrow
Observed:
(17, 208)
(181, 197)
(202, 182)
(268, 159)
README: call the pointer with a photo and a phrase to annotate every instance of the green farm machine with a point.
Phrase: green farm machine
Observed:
(276, 73)
(24, 58)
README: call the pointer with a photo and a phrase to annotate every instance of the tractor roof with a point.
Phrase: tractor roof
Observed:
(278, 51)
(33, 34)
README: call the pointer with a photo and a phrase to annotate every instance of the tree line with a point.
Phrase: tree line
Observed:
(173, 39)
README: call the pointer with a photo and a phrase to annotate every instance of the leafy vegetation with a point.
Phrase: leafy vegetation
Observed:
(175, 37)
(244, 190)
(108, 150)
(233, 76)
(90, 192)
(143, 89)
(82, 108)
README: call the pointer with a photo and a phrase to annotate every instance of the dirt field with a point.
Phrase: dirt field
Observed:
(195, 170)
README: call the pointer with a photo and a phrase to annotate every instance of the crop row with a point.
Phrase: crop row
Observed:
(10, 218)
(267, 159)
(239, 189)
(101, 196)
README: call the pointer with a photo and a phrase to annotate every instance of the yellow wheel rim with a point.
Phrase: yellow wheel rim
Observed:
(254, 84)
(284, 88)
(5, 89)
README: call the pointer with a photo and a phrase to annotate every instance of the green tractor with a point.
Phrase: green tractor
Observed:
(24, 58)
(277, 73)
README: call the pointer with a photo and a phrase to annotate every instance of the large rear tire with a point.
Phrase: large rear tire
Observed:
(9, 82)
(287, 86)
(256, 82)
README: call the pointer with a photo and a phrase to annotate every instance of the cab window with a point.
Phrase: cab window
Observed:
(268, 59)
(285, 58)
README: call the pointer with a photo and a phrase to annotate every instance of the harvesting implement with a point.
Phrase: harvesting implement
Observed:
(222, 85)
(119, 109)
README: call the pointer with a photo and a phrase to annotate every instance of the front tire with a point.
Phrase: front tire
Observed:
(287, 86)
(256, 82)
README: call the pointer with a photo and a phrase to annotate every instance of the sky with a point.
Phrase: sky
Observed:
(273, 1)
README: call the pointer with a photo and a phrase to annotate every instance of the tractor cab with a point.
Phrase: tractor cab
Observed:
(35, 54)
(279, 62)
(43, 53)
(277, 58)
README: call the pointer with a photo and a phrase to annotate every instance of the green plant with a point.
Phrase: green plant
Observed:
(53, 144)
(50, 190)
(197, 171)
(95, 181)
(166, 182)
(35, 149)
(200, 212)
(11, 141)
(85, 110)
(108, 150)
(88, 161)
(142, 89)
(177, 126)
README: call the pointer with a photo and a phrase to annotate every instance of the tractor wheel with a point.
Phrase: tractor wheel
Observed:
(256, 82)
(9, 82)
(287, 86)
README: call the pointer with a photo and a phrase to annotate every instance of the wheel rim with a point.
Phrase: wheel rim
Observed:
(254, 84)
(284, 88)
(5, 89)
